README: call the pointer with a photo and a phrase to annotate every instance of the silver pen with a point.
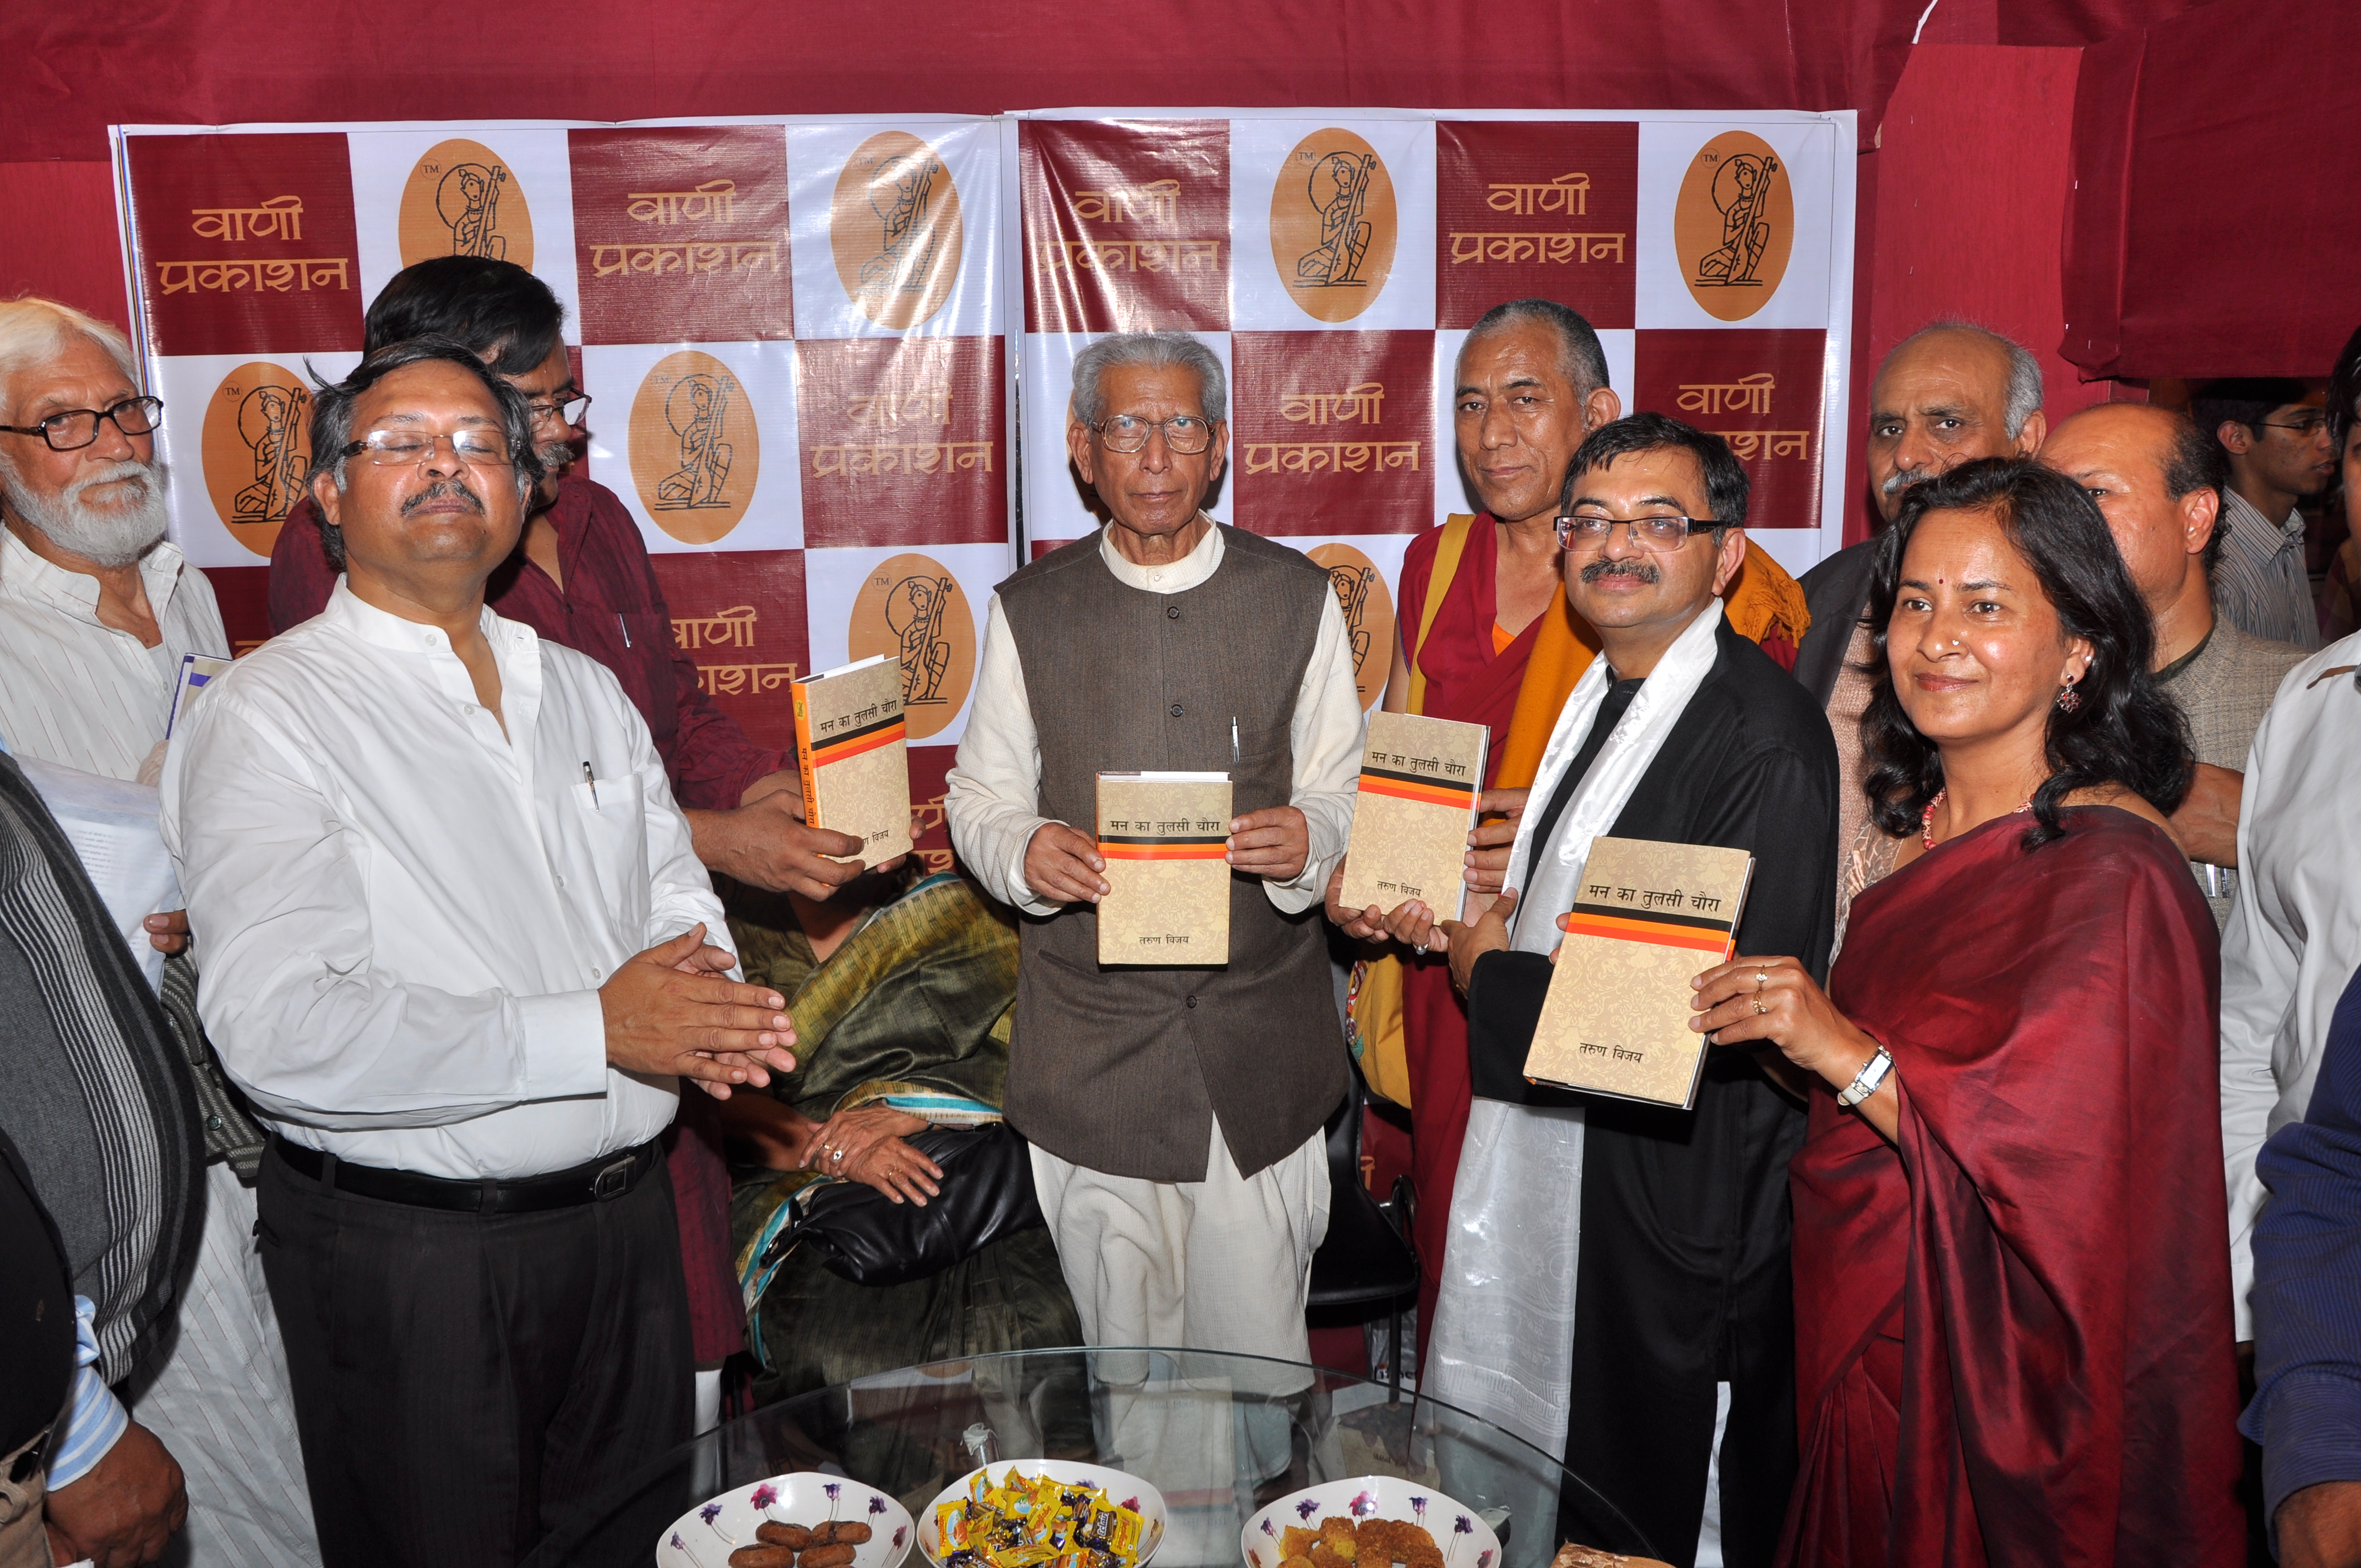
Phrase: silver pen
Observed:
(591, 779)
(1234, 741)
(626, 627)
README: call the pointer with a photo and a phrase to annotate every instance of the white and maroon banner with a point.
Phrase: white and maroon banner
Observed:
(1334, 259)
(793, 331)
(798, 332)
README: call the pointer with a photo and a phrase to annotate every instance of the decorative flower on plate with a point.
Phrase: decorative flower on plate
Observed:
(1132, 1503)
(1270, 1530)
(1365, 1506)
(1484, 1560)
(710, 1512)
(1463, 1525)
(766, 1494)
(900, 1532)
(677, 1544)
(1306, 1508)
(1417, 1506)
(876, 1504)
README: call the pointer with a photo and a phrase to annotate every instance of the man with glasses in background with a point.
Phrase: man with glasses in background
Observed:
(454, 925)
(1175, 1112)
(1677, 1399)
(582, 579)
(96, 610)
(2275, 431)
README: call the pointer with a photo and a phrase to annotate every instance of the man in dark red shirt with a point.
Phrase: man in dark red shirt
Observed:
(582, 579)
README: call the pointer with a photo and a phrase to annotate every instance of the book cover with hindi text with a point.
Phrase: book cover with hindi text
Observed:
(1419, 781)
(1165, 838)
(853, 753)
(1647, 918)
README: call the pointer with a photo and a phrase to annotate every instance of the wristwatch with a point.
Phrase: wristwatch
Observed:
(1864, 1083)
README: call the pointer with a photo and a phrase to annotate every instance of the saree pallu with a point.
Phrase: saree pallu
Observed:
(2013, 1323)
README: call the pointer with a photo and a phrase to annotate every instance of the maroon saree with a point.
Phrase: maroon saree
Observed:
(1466, 680)
(2012, 1326)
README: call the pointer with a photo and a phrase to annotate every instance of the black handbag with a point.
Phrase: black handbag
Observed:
(987, 1194)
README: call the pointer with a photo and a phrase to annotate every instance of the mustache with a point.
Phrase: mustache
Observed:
(111, 473)
(1644, 570)
(443, 490)
(1902, 479)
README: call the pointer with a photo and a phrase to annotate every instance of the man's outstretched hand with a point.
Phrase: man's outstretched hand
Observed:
(124, 1509)
(671, 1011)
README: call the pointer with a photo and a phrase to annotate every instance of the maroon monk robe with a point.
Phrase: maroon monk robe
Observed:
(1466, 680)
(2013, 1325)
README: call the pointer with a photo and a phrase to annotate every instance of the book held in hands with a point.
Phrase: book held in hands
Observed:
(1419, 781)
(1647, 919)
(1165, 840)
(853, 751)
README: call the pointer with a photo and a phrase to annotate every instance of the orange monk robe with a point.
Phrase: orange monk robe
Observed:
(1763, 603)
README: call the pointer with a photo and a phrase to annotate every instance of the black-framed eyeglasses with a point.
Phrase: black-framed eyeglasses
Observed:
(1665, 531)
(399, 448)
(572, 411)
(71, 430)
(1185, 433)
(2311, 426)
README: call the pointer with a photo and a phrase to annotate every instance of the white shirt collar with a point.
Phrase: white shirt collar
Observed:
(382, 628)
(1172, 577)
(35, 578)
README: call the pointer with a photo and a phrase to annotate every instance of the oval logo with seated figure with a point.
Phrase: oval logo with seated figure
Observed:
(1333, 224)
(1734, 226)
(257, 448)
(1369, 615)
(913, 610)
(462, 200)
(895, 228)
(694, 451)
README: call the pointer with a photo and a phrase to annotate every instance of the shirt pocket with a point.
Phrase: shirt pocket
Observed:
(608, 820)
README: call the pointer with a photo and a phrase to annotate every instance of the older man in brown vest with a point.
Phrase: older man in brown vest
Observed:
(1175, 1112)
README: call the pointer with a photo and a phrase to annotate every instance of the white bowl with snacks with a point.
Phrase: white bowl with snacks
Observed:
(1456, 1536)
(804, 1520)
(1123, 1490)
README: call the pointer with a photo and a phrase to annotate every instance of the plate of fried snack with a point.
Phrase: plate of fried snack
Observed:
(1377, 1522)
(804, 1520)
(1044, 1513)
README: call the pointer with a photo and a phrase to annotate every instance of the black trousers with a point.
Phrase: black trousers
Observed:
(464, 1384)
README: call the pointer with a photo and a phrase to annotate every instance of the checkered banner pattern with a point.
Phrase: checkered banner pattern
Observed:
(796, 332)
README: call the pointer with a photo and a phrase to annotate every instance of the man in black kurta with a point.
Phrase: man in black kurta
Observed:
(1681, 1313)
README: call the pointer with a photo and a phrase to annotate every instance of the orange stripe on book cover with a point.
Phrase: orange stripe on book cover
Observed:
(1188, 849)
(854, 745)
(1431, 794)
(804, 765)
(1698, 938)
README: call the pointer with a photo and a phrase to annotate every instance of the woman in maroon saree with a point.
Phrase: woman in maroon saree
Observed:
(2012, 1282)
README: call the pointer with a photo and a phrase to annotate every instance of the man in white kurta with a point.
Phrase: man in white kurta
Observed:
(96, 611)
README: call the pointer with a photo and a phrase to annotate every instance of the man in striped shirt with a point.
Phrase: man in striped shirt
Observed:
(96, 609)
(2275, 432)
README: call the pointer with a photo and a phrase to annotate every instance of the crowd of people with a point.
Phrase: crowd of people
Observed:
(444, 1135)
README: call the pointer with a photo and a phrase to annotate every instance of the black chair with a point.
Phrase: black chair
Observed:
(1367, 1260)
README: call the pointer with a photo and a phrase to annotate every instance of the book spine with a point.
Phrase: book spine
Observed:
(804, 764)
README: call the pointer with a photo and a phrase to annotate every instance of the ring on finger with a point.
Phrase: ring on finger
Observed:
(1760, 1007)
(1762, 979)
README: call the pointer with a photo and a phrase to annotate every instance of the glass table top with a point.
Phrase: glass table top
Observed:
(1221, 1436)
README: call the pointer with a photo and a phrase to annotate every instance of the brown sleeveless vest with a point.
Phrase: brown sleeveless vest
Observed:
(1121, 1069)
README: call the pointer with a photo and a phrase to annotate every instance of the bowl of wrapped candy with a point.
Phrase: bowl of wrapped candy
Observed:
(804, 1520)
(1044, 1513)
(1377, 1522)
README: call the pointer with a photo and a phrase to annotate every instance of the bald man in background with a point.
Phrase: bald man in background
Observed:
(1948, 394)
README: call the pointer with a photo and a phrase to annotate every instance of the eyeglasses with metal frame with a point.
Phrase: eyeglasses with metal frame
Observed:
(1665, 531)
(398, 448)
(2310, 426)
(572, 411)
(1187, 434)
(71, 430)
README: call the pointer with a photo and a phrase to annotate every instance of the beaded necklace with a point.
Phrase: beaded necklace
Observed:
(1926, 818)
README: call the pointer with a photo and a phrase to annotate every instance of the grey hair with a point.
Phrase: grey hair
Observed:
(32, 329)
(1157, 350)
(2023, 400)
(1581, 360)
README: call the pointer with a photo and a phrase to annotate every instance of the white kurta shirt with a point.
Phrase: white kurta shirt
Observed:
(406, 914)
(2294, 936)
(85, 695)
(994, 795)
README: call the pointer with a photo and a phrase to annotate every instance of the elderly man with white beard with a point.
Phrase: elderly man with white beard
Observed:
(96, 610)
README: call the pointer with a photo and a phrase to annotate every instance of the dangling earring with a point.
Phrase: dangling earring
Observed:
(2069, 699)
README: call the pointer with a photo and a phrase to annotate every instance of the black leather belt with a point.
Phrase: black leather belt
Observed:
(595, 1182)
